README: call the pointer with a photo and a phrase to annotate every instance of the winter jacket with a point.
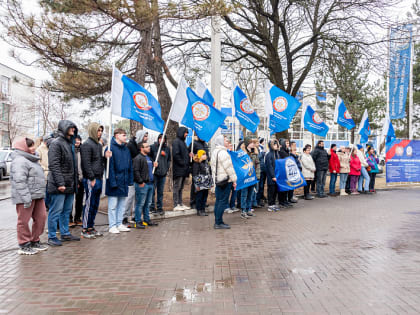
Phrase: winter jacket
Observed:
(140, 169)
(320, 157)
(199, 145)
(180, 155)
(362, 158)
(42, 151)
(91, 154)
(261, 156)
(284, 152)
(256, 161)
(270, 162)
(221, 157)
(26, 175)
(308, 166)
(344, 162)
(297, 160)
(334, 163)
(355, 166)
(132, 144)
(120, 170)
(62, 161)
(201, 175)
(373, 163)
(164, 161)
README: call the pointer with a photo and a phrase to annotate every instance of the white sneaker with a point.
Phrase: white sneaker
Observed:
(123, 228)
(114, 230)
(178, 208)
(235, 209)
(228, 210)
(185, 207)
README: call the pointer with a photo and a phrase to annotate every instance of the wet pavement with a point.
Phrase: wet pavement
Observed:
(349, 255)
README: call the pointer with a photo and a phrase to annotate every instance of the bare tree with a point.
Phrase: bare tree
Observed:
(51, 108)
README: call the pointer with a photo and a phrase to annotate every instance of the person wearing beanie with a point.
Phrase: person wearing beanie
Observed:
(202, 181)
(28, 191)
(334, 168)
(159, 177)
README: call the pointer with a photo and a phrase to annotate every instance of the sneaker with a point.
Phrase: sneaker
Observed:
(123, 228)
(68, 238)
(243, 215)
(139, 226)
(228, 210)
(257, 206)
(125, 221)
(222, 226)
(252, 210)
(38, 246)
(114, 230)
(185, 207)
(151, 223)
(161, 212)
(96, 233)
(251, 214)
(54, 242)
(179, 208)
(87, 234)
(355, 193)
(272, 208)
(234, 209)
(293, 200)
(27, 250)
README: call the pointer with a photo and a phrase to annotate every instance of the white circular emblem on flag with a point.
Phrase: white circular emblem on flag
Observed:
(246, 106)
(316, 118)
(292, 171)
(347, 115)
(200, 111)
(280, 104)
(141, 101)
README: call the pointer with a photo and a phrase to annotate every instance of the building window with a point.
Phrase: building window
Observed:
(5, 139)
(3, 112)
(4, 81)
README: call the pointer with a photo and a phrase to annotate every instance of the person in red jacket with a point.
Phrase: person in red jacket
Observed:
(334, 167)
(355, 171)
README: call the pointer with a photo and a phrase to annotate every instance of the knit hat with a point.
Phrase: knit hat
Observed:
(200, 153)
(359, 146)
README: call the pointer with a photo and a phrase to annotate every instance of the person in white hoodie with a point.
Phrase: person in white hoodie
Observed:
(225, 179)
(365, 175)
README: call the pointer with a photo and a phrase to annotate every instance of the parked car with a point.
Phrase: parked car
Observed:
(5, 161)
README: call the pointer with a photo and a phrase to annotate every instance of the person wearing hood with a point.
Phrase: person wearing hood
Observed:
(263, 175)
(180, 167)
(246, 193)
(334, 168)
(320, 157)
(225, 179)
(270, 165)
(133, 146)
(285, 197)
(364, 175)
(78, 207)
(120, 177)
(62, 182)
(28, 191)
(93, 164)
(159, 177)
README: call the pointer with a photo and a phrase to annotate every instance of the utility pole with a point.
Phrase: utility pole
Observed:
(216, 61)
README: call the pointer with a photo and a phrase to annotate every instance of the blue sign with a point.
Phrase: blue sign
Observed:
(403, 161)
(244, 169)
(288, 175)
(399, 69)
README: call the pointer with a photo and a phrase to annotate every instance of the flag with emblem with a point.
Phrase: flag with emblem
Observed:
(314, 123)
(364, 129)
(132, 101)
(342, 115)
(288, 175)
(244, 110)
(244, 169)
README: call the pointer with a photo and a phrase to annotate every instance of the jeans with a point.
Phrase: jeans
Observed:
(343, 180)
(93, 196)
(61, 206)
(178, 187)
(353, 182)
(306, 188)
(232, 198)
(320, 182)
(129, 203)
(158, 187)
(201, 199)
(254, 195)
(222, 200)
(246, 198)
(261, 184)
(116, 208)
(372, 181)
(365, 176)
(143, 200)
(333, 180)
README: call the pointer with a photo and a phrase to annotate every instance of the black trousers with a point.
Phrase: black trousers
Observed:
(78, 205)
(272, 194)
(290, 195)
(306, 188)
(372, 181)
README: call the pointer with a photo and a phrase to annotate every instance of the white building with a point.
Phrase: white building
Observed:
(17, 105)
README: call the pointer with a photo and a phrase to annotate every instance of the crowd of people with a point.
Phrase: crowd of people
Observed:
(46, 180)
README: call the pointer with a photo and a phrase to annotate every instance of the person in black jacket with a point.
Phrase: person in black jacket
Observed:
(198, 145)
(320, 157)
(62, 182)
(285, 196)
(143, 183)
(93, 170)
(159, 177)
(180, 167)
(202, 181)
(270, 165)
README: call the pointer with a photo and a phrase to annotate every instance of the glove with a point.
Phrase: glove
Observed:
(27, 205)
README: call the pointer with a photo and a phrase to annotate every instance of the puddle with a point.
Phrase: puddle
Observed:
(190, 295)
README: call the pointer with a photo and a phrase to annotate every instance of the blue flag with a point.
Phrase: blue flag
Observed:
(188, 140)
(244, 169)
(281, 108)
(202, 118)
(244, 111)
(342, 115)
(132, 101)
(314, 123)
(364, 129)
(288, 175)
(321, 96)
(389, 132)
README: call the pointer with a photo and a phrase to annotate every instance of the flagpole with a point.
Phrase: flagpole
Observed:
(192, 146)
(163, 138)
(110, 124)
(410, 101)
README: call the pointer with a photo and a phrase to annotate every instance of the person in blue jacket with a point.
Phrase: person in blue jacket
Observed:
(270, 166)
(120, 177)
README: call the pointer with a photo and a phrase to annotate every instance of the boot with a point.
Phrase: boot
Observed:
(201, 213)
(343, 192)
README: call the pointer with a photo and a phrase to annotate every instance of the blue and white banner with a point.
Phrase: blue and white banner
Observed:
(403, 161)
(244, 169)
(288, 175)
(244, 110)
(193, 112)
(280, 107)
(388, 132)
(364, 129)
(132, 101)
(342, 115)
(399, 69)
(314, 123)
